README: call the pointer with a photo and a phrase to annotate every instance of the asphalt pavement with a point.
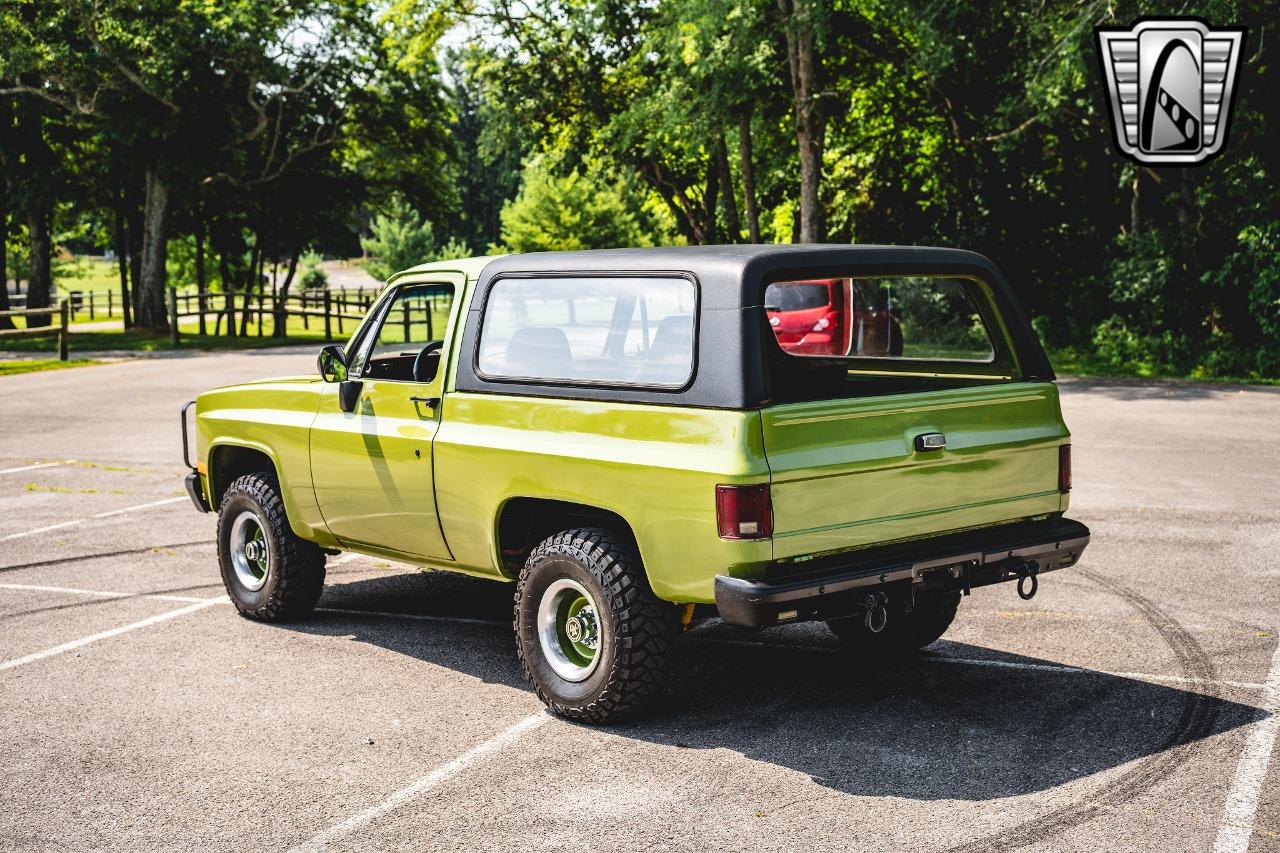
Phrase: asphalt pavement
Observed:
(1131, 705)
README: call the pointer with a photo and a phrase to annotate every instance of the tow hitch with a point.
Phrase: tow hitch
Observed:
(1027, 570)
(877, 613)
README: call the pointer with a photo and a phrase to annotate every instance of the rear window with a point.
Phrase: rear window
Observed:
(612, 331)
(927, 318)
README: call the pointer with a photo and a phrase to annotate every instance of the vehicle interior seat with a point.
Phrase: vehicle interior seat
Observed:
(537, 351)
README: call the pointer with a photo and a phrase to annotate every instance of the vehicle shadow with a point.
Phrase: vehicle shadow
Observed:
(934, 726)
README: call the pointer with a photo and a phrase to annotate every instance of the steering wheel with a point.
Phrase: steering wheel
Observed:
(422, 372)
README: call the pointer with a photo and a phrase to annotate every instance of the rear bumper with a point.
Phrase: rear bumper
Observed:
(836, 586)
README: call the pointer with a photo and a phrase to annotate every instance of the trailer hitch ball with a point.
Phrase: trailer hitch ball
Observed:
(877, 615)
(1028, 582)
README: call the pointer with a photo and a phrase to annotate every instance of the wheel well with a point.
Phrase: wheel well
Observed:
(227, 462)
(524, 522)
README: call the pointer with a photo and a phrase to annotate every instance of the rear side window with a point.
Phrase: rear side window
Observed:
(609, 331)
(923, 318)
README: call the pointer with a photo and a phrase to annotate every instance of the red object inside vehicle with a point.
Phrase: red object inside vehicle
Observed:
(832, 317)
(808, 316)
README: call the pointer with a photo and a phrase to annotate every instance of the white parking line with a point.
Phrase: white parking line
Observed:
(34, 467)
(67, 590)
(107, 514)
(429, 781)
(114, 632)
(1246, 786)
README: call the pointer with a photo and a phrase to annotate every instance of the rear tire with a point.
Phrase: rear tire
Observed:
(592, 638)
(904, 632)
(270, 573)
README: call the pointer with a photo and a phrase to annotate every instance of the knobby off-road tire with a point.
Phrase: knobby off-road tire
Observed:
(904, 632)
(285, 576)
(626, 672)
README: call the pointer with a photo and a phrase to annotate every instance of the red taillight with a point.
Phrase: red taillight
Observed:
(1064, 468)
(744, 512)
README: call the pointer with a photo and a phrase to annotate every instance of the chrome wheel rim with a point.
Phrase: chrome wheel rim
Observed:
(569, 630)
(250, 551)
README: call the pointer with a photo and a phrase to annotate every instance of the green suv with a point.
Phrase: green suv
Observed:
(631, 438)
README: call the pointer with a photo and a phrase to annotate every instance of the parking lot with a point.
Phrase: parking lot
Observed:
(1131, 705)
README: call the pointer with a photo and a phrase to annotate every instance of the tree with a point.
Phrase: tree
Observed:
(572, 211)
(401, 238)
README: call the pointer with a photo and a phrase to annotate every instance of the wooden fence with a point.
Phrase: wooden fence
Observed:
(331, 309)
(63, 310)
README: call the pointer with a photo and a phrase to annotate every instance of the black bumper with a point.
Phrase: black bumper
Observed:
(196, 491)
(837, 586)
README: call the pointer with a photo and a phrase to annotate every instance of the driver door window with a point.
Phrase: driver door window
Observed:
(414, 319)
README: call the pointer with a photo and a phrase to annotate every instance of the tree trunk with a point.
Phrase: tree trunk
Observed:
(122, 258)
(677, 202)
(251, 284)
(5, 322)
(149, 288)
(810, 124)
(281, 317)
(37, 165)
(202, 287)
(709, 193)
(40, 279)
(228, 293)
(748, 174)
(134, 225)
(731, 220)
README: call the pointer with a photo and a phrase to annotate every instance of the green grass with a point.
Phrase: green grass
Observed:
(9, 368)
(1068, 361)
(87, 274)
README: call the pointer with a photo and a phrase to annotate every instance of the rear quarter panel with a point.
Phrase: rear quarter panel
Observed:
(656, 466)
(273, 416)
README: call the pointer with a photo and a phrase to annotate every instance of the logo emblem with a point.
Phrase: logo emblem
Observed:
(1170, 85)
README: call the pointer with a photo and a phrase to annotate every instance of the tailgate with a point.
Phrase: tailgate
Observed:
(846, 473)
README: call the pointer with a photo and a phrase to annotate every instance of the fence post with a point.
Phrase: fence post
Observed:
(306, 321)
(64, 312)
(328, 302)
(173, 316)
(91, 315)
(259, 312)
(111, 303)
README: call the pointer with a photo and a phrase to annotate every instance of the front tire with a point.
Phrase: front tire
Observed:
(270, 573)
(592, 638)
(903, 633)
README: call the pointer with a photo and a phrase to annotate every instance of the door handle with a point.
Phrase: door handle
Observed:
(426, 401)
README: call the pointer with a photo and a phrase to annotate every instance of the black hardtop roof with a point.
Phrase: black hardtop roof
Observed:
(734, 346)
(730, 274)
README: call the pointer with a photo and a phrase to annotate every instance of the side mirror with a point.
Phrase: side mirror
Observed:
(332, 363)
